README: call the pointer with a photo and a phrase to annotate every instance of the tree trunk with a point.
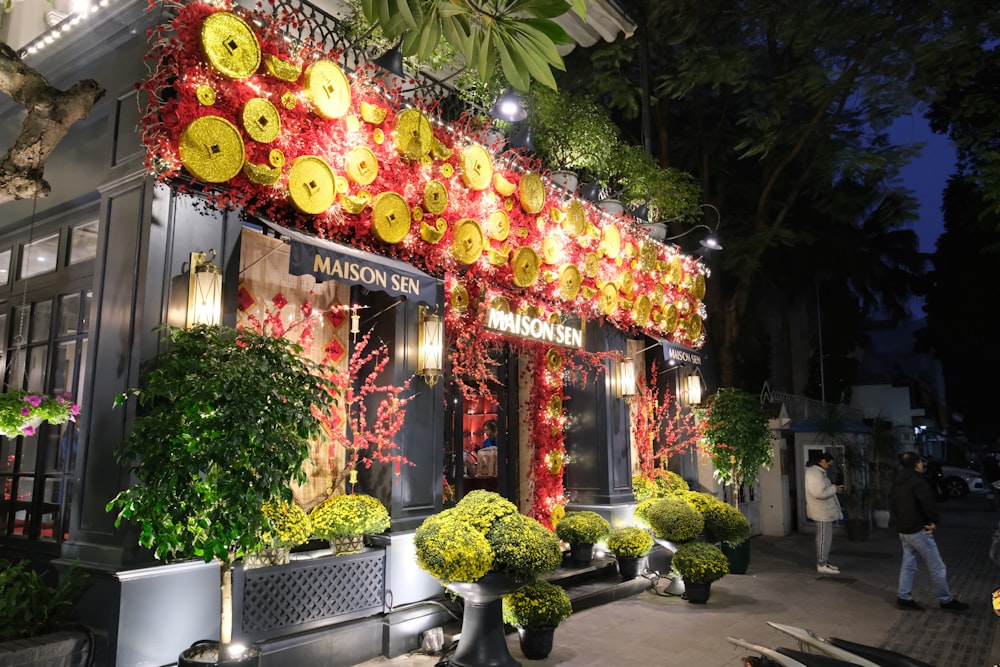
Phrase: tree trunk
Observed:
(226, 629)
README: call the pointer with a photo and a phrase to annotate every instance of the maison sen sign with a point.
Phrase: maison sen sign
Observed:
(533, 328)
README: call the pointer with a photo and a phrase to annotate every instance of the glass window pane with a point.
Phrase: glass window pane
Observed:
(40, 256)
(85, 324)
(8, 450)
(63, 367)
(41, 322)
(22, 504)
(3, 337)
(5, 267)
(83, 242)
(37, 358)
(79, 396)
(68, 315)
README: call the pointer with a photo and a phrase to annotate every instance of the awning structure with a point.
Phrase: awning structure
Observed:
(326, 260)
(679, 353)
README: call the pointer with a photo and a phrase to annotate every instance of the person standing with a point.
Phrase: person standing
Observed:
(490, 431)
(915, 508)
(823, 508)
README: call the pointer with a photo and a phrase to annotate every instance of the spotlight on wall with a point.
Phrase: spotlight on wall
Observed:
(509, 107)
(430, 346)
(204, 290)
(626, 379)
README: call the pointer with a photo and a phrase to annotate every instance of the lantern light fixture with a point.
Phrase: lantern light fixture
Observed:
(204, 290)
(626, 379)
(693, 389)
(430, 346)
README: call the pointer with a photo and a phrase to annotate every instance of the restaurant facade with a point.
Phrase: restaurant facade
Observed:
(326, 201)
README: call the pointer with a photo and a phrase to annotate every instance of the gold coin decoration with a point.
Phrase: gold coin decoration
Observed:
(468, 243)
(211, 148)
(611, 241)
(328, 89)
(230, 45)
(670, 318)
(432, 232)
(591, 264)
(282, 69)
(261, 174)
(417, 213)
(608, 300)
(555, 406)
(692, 326)
(414, 136)
(261, 120)
(378, 136)
(647, 256)
(288, 100)
(627, 282)
(390, 217)
(553, 360)
(569, 282)
(205, 94)
(276, 158)
(531, 191)
(459, 298)
(362, 165)
(524, 266)
(574, 222)
(550, 250)
(435, 197)
(500, 303)
(477, 167)
(698, 286)
(310, 184)
(343, 186)
(499, 224)
(675, 272)
(641, 310)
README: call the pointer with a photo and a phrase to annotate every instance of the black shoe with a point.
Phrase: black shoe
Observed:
(910, 605)
(954, 605)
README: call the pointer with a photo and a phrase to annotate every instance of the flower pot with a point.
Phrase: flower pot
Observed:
(581, 554)
(629, 567)
(351, 544)
(738, 556)
(482, 643)
(207, 653)
(267, 557)
(697, 592)
(536, 643)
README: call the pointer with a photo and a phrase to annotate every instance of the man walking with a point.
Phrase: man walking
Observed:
(915, 509)
(823, 508)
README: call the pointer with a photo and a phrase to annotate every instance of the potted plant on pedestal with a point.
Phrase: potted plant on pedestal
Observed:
(344, 521)
(582, 530)
(222, 427)
(290, 527)
(482, 549)
(535, 610)
(699, 564)
(630, 546)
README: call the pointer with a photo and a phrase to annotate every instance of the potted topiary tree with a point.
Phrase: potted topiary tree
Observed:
(674, 521)
(630, 545)
(535, 610)
(222, 427)
(699, 564)
(582, 530)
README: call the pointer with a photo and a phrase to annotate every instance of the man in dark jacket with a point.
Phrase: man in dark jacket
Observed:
(915, 509)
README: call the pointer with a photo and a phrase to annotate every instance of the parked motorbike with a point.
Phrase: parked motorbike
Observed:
(833, 652)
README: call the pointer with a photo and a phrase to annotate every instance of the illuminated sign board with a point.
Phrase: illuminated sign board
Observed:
(525, 326)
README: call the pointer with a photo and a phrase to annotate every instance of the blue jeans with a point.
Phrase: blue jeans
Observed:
(922, 544)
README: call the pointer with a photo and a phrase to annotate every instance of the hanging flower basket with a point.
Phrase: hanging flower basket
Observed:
(21, 412)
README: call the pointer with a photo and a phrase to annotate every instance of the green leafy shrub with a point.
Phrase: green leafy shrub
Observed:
(643, 489)
(538, 605)
(583, 527)
(675, 520)
(522, 546)
(668, 483)
(30, 607)
(725, 523)
(630, 542)
(700, 562)
(451, 549)
(349, 514)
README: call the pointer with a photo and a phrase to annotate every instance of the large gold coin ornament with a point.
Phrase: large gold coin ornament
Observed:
(569, 282)
(698, 286)
(328, 89)
(499, 224)
(468, 243)
(647, 256)
(574, 222)
(459, 298)
(692, 326)
(641, 310)
(477, 167)
(627, 282)
(555, 406)
(230, 45)
(611, 241)
(311, 185)
(531, 191)
(608, 300)
(500, 303)
(591, 264)
(675, 272)
(281, 69)
(390, 217)
(435, 197)
(670, 318)
(362, 165)
(414, 136)
(524, 265)
(553, 360)
(211, 148)
(261, 120)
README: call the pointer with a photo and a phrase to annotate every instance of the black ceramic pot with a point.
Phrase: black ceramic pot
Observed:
(738, 556)
(628, 567)
(536, 643)
(581, 554)
(697, 592)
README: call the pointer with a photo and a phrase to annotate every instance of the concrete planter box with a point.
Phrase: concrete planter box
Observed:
(66, 648)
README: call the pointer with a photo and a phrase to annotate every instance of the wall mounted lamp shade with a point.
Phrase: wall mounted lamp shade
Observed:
(392, 60)
(626, 379)
(509, 107)
(710, 242)
(693, 389)
(430, 347)
(204, 290)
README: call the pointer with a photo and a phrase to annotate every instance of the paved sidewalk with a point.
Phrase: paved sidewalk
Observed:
(782, 585)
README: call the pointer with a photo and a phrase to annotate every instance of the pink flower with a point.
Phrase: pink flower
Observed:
(28, 431)
(34, 399)
(75, 409)
(25, 411)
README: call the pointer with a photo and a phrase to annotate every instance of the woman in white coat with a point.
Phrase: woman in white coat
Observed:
(823, 508)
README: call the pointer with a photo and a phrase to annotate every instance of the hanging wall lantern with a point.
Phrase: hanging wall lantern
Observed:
(204, 290)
